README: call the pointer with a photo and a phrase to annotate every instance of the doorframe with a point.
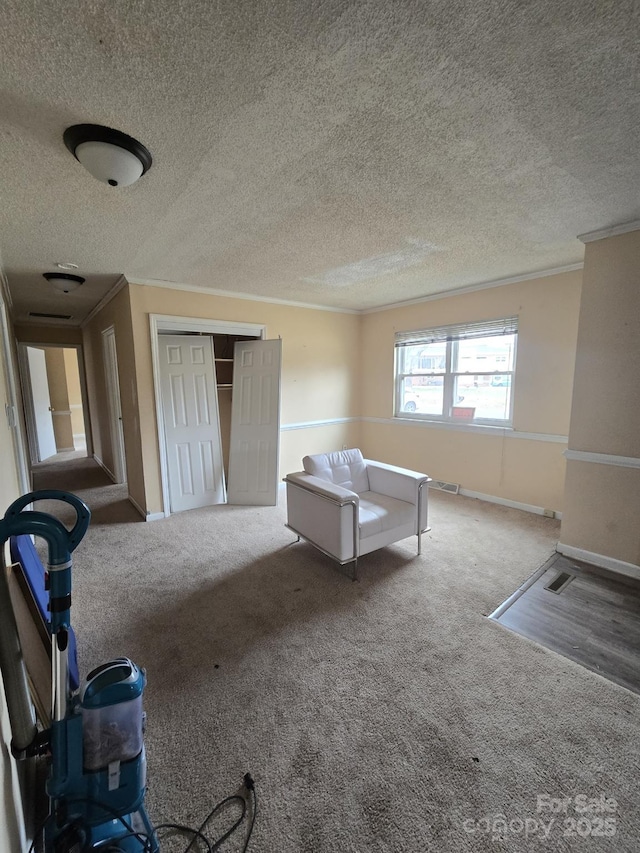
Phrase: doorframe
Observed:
(13, 378)
(170, 323)
(114, 404)
(27, 394)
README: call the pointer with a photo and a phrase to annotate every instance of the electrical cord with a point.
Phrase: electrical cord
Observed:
(249, 785)
(233, 798)
(181, 828)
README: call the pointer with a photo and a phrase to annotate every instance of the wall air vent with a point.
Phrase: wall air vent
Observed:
(442, 486)
(50, 316)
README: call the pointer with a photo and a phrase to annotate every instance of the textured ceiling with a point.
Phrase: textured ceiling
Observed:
(347, 154)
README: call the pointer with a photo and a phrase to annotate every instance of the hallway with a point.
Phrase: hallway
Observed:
(75, 472)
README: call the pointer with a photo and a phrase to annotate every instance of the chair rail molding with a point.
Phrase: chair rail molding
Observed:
(482, 429)
(323, 423)
(601, 458)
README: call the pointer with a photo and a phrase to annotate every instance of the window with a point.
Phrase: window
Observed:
(461, 373)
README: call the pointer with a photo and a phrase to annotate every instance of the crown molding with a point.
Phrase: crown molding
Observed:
(232, 294)
(117, 287)
(472, 288)
(485, 285)
(613, 231)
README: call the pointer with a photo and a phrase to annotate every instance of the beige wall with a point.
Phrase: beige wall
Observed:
(340, 366)
(30, 333)
(522, 468)
(602, 507)
(320, 371)
(116, 313)
(603, 500)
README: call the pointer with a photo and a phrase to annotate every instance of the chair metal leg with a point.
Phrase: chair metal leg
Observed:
(419, 542)
(355, 570)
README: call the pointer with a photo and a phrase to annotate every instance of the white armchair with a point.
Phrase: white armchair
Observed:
(348, 506)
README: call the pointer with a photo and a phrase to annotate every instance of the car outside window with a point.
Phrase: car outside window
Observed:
(462, 373)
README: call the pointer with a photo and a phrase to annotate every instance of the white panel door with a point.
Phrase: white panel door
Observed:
(191, 424)
(255, 423)
(43, 421)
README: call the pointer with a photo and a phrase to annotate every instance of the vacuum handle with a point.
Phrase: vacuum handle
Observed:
(83, 513)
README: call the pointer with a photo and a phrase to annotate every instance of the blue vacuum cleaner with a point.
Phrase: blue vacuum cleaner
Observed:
(97, 777)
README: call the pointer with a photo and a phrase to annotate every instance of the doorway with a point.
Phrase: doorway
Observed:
(229, 412)
(55, 400)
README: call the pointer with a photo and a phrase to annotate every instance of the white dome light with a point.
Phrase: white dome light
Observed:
(64, 282)
(109, 155)
(109, 163)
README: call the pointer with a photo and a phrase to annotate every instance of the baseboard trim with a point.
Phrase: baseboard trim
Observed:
(601, 560)
(537, 510)
(109, 473)
(148, 516)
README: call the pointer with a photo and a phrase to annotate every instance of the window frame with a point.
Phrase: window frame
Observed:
(449, 376)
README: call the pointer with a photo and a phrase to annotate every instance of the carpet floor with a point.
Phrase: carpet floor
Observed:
(386, 715)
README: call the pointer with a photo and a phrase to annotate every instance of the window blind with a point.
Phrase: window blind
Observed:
(458, 332)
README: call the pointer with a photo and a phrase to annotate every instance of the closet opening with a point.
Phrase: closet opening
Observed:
(217, 389)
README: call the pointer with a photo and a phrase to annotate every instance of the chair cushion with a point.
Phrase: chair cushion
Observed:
(345, 468)
(380, 512)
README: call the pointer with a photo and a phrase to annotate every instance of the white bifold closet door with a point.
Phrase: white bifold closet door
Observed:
(191, 421)
(255, 423)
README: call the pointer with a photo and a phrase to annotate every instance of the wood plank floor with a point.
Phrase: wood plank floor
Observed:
(594, 619)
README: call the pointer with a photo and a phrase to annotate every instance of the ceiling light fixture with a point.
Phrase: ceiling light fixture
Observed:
(109, 155)
(65, 282)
